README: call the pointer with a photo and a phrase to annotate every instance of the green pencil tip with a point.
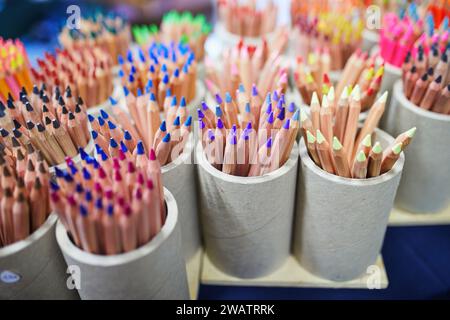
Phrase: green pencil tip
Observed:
(397, 148)
(310, 137)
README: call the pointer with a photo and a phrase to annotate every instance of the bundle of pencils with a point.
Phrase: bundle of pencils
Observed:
(247, 20)
(118, 132)
(398, 36)
(110, 205)
(112, 33)
(334, 143)
(339, 34)
(426, 80)
(249, 65)
(14, 69)
(301, 8)
(24, 181)
(88, 72)
(363, 71)
(175, 26)
(312, 75)
(251, 137)
(56, 124)
(161, 67)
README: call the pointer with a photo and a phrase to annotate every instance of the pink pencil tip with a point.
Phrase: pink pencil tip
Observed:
(150, 184)
(152, 154)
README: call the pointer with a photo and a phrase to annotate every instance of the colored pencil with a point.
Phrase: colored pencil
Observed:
(112, 33)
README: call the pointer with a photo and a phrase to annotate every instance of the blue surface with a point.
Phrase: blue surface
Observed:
(417, 261)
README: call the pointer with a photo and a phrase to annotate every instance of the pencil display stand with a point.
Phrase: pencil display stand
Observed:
(340, 223)
(247, 221)
(425, 185)
(179, 177)
(153, 271)
(371, 39)
(34, 267)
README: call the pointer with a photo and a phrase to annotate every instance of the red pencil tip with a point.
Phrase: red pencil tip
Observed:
(150, 184)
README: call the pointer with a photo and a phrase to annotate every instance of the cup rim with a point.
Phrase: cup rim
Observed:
(204, 163)
(396, 170)
(18, 246)
(405, 103)
(68, 248)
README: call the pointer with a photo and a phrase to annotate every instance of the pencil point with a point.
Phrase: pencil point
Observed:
(315, 99)
(356, 93)
(397, 148)
(310, 137)
(411, 132)
(320, 137)
(377, 148)
(331, 94)
(228, 98)
(183, 102)
(367, 141)
(336, 144)
(140, 148)
(361, 157)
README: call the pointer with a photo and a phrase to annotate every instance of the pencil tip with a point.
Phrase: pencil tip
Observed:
(367, 141)
(411, 132)
(361, 157)
(356, 93)
(336, 144)
(377, 148)
(320, 137)
(397, 148)
(315, 99)
(152, 154)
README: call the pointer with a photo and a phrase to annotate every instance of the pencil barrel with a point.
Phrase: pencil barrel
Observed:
(179, 177)
(425, 185)
(153, 271)
(34, 268)
(340, 223)
(247, 221)
(391, 75)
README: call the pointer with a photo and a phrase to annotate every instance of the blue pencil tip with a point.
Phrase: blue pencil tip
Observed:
(91, 118)
(241, 88)
(112, 101)
(174, 101)
(113, 143)
(249, 126)
(219, 123)
(139, 92)
(254, 90)
(101, 121)
(162, 126)
(228, 98)
(269, 143)
(188, 121)
(111, 125)
(168, 93)
(204, 106)
(166, 138)
(83, 153)
(83, 210)
(140, 148)
(271, 118)
(218, 111)
(54, 186)
(86, 174)
(123, 147)
(183, 102)
(126, 91)
(200, 114)
(152, 97)
(247, 107)
(201, 124)
(94, 134)
(296, 115)
(127, 135)
(286, 124)
(59, 173)
(176, 122)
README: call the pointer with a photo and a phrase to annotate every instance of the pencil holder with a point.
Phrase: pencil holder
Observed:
(247, 221)
(179, 177)
(340, 222)
(425, 185)
(153, 271)
(34, 267)
(371, 39)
